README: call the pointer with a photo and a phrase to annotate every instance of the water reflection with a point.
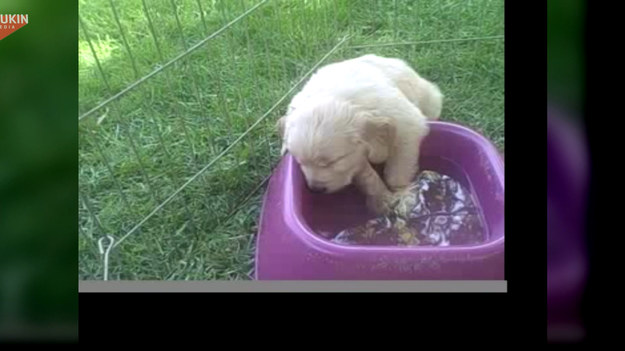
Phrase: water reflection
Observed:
(445, 214)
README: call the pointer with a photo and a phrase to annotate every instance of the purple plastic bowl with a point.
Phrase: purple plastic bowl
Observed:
(289, 246)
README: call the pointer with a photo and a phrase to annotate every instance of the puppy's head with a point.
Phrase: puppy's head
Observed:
(329, 140)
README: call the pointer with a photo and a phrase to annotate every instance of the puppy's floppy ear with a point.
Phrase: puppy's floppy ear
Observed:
(379, 130)
(281, 126)
(378, 136)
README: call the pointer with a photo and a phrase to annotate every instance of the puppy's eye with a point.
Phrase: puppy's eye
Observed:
(327, 163)
(330, 163)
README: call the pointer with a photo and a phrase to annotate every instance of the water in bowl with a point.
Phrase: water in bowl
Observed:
(445, 214)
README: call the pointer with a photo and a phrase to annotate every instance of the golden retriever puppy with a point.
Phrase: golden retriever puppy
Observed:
(359, 112)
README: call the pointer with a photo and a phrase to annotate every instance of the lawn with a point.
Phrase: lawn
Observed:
(174, 168)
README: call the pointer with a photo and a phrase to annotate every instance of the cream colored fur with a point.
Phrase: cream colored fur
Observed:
(359, 112)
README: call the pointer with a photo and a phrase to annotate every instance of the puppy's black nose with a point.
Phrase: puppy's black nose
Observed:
(317, 189)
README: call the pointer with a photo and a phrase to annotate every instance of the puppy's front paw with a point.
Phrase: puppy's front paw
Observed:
(404, 201)
(382, 205)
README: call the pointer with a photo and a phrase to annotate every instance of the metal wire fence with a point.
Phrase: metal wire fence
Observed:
(176, 139)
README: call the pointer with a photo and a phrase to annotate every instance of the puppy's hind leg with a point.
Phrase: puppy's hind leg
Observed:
(423, 94)
(418, 90)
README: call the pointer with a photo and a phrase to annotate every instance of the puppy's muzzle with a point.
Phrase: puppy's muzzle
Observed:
(317, 188)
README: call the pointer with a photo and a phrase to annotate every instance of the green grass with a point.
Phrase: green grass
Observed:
(138, 150)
